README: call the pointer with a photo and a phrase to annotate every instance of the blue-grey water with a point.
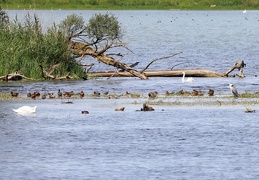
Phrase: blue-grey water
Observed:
(172, 142)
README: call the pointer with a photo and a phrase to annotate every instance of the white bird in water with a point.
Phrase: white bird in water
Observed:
(189, 79)
(25, 110)
(233, 89)
(244, 11)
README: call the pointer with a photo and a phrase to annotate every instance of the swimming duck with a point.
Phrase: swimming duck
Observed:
(96, 94)
(147, 108)
(14, 94)
(37, 94)
(43, 96)
(211, 92)
(81, 94)
(85, 112)
(106, 93)
(51, 95)
(59, 94)
(33, 96)
(194, 93)
(167, 93)
(153, 94)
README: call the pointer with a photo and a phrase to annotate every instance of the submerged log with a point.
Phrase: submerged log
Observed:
(162, 73)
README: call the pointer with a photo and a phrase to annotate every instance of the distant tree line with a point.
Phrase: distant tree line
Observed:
(131, 4)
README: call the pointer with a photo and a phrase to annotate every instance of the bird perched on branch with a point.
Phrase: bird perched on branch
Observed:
(233, 89)
(132, 65)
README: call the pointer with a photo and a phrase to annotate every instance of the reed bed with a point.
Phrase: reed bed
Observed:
(24, 46)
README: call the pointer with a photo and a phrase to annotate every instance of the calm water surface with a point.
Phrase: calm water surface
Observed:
(59, 142)
(173, 142)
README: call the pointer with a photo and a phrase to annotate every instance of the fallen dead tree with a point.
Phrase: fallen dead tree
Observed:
(161, 73)
(176, 73)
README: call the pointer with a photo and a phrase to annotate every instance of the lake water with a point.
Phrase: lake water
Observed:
(172, 142)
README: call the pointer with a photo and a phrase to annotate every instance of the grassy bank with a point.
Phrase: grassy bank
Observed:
(131, 4)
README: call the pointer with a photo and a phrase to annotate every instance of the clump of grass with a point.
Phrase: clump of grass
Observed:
(5, 96)
(249, 95)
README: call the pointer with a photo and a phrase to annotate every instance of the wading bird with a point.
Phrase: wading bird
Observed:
(233, 89)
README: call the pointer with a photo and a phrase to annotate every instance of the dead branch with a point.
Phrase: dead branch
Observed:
(166, 57)
(49, 74)
(14, 77)
(237, 65)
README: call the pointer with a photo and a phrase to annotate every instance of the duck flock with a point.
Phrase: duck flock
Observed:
(71, 95)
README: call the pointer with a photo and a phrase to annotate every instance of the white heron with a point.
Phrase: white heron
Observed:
(189, 79)
(25, 110)
(233, 89)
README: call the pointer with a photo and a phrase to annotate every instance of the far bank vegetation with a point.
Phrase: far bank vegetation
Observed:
(131, 4)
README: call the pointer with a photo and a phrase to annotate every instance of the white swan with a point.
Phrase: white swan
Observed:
(25, 110)
(244, 11)
(189, 79)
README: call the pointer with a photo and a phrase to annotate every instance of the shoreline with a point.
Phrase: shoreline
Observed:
(161, 100)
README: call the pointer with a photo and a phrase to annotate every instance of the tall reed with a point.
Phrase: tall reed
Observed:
(24, 47)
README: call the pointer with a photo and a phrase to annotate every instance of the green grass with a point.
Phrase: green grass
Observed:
(24, 46)
(131, 4)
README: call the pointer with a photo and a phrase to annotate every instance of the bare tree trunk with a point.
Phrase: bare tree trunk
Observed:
(237, 65)
(163, 73)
